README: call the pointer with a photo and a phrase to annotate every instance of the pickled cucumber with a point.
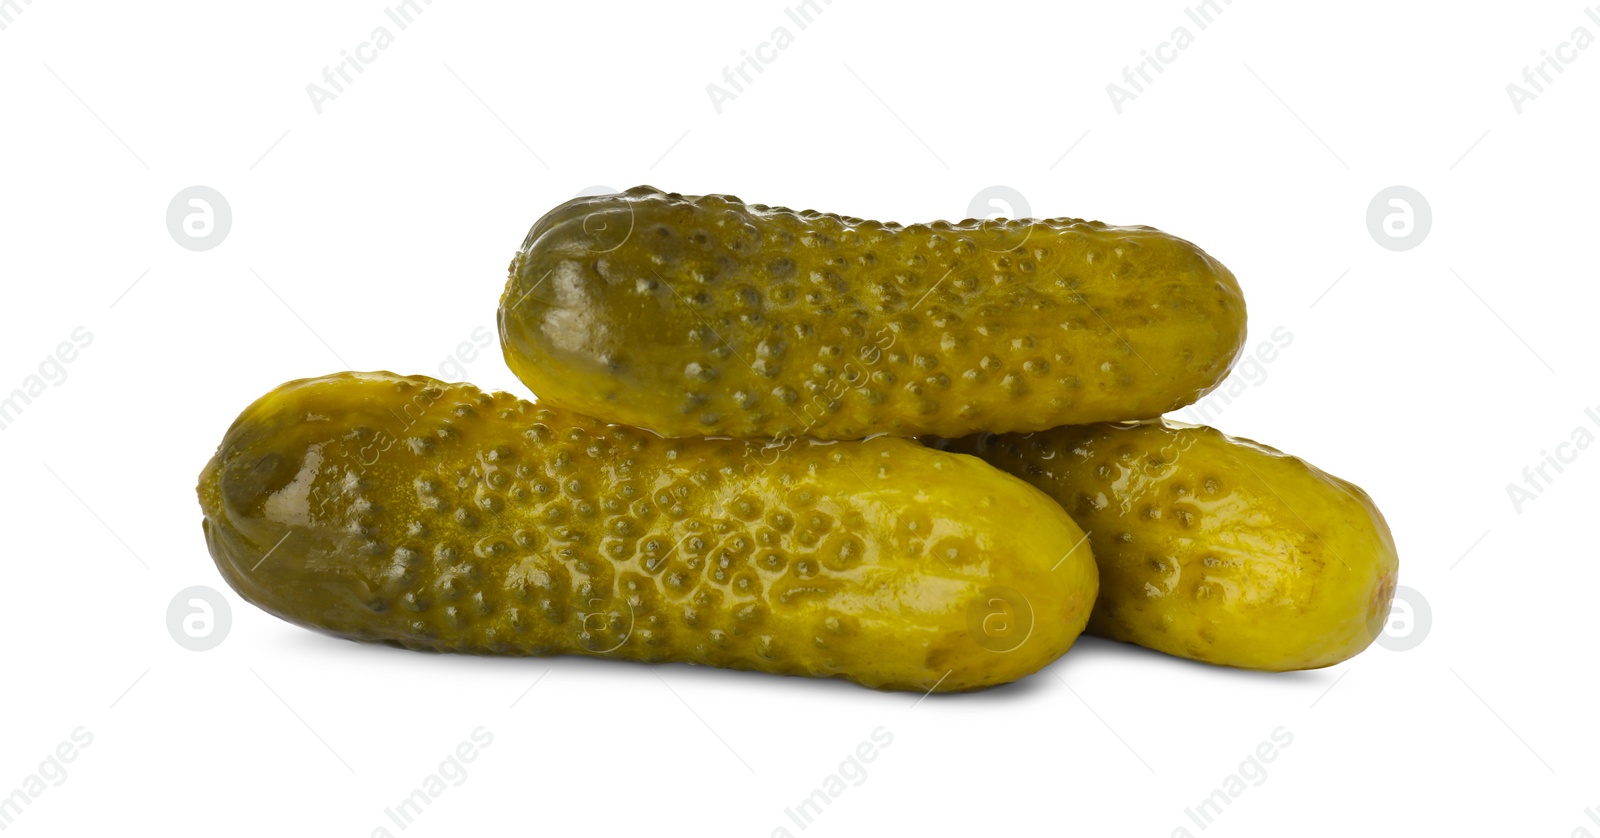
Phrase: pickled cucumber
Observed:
(1210, 547)
(703, 315)
(436, 516)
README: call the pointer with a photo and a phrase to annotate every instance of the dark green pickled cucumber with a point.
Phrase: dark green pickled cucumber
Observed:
(437, 516)
(703, 315)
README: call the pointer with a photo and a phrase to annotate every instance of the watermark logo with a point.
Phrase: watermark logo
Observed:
(1399, 218)
(1537, 478)
(450, 773)
(9, 10)
(340, 75)
(738, 75)
(1593, 814)
(761, 454)
(605, 629)
(998, 202)
(454, 367)
(1000, 619)
(199, 218)
(1249, 373)
(852, 771)
(370, 448)
(52, 373)
(199, 618)
(1410, 620)
(607, 228)
(1137, 77)
(1252, 773)
(1537, 77)
(51, 773)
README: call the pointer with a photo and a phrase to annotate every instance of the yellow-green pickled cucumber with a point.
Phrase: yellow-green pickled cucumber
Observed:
(436, 516)
(704, 315)
(1214, 548)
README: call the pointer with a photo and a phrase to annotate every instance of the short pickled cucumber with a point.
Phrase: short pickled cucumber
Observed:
(704, 315)
(437, 516)
(1214, 548)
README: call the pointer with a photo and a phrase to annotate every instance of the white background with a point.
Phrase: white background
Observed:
(376, 234)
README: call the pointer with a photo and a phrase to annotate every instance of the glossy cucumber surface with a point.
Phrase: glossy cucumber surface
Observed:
(692, 315)
(1210, 547)
(436, 516)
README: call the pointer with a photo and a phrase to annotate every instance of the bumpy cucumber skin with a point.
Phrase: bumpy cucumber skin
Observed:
(704, 315)
(436, 516)
(1210, 547)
